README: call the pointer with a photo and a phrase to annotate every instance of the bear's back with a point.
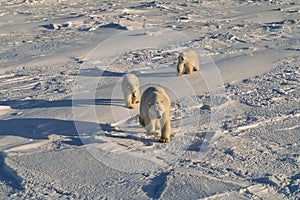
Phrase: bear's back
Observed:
(130, 81)
(192, 57)
(154, 92)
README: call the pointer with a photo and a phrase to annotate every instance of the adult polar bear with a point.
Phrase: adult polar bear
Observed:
(131, 90)
(155, 112)
(189, 61)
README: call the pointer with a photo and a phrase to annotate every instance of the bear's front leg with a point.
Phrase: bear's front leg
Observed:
(188, 68)
(157, 125)
(135, 97)
(128, 99)
(166, 132)
(151, 128)
(180, 69)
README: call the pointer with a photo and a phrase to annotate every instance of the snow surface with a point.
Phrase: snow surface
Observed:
(65, 132)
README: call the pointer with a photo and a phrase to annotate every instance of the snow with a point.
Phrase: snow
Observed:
(65, 132)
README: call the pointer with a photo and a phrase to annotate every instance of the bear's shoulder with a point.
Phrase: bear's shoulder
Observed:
(130, 77)
(189, 53)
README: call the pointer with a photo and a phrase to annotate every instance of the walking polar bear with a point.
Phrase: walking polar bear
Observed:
(189, 61)
(155, 113)
(131, 90)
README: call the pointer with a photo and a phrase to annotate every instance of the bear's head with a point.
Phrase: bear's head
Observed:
(181, 58)
(156, 107)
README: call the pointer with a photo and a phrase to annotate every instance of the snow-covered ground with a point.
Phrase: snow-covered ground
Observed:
(64, 130)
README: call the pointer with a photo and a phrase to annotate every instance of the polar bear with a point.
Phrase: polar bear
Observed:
(188, 60)
(155, 113)
(131, 90)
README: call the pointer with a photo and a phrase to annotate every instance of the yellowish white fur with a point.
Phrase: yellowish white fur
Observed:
(187, 62)
(131, 90)
(155, 112)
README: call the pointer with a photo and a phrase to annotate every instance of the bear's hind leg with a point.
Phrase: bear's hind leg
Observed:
(197, 68)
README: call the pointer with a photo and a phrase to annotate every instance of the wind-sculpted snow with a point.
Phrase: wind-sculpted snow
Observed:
(236, 140)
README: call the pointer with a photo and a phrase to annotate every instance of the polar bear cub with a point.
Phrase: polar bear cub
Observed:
(155, 112)
(189, 61)
(131, 90)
